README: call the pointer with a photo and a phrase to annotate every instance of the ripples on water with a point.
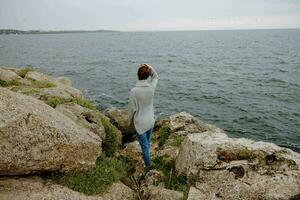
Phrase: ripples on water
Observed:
(246, 82)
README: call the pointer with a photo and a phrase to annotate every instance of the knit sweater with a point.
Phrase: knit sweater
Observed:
(140, 105)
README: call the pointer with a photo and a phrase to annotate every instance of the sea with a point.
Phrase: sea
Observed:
(246, 82)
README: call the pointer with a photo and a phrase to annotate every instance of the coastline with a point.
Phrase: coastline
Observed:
(192, 159)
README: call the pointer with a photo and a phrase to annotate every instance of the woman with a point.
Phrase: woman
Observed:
(141, 112)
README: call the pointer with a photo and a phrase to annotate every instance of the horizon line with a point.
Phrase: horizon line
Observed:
(112, 30)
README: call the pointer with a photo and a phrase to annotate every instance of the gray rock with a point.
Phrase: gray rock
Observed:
(119, 191)
(63, 80)
(38, 76)
(35, 137)
(160, 193)
(184, 123)
(196, 194)
(84, 117)
(61, 91)
(119, 118)
(8, 75)
(231, 168)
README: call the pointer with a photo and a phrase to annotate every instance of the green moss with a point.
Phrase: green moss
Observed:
(177, 140)
(54, 101)
(23, 71)
(164, 133)
(85, 103)
(31, 91)
(15, 82)
(97, 180)
(4, 83)
(42, 84)
(113, 137)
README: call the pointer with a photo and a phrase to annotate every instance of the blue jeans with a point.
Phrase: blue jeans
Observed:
(144, 140)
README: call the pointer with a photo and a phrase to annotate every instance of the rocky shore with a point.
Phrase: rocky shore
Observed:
(55, 144)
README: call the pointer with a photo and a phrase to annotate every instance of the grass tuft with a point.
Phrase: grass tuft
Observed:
(96, 181)
(113, 138)
(177, 140)
(42, 84)
(15, 82)
(54, 101)
(23, 71)
(172, 180)
(164, 133)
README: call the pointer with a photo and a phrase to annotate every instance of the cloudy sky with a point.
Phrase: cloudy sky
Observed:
(145, 15)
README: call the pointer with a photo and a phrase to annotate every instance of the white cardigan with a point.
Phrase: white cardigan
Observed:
(140, 105)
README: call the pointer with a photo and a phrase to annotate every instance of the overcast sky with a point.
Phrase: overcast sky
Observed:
(149, 14)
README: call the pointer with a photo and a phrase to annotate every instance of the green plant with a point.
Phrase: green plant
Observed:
(177, 140)
(30, 91)
(164, 133)
(113, 137)
(54, 101)
(4, 83)
(172, 180)
(96, 181)
(23, 71)
(42, 84)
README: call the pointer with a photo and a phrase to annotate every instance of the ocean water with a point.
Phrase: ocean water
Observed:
(246, 82)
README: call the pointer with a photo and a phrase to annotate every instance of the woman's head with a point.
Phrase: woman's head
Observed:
(144, 72)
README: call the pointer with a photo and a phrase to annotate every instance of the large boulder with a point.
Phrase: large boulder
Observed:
(119, 118)
(38, 76)
(84, 117)
(231, 168)
(184, 123)
(8, 75)
(35, 137)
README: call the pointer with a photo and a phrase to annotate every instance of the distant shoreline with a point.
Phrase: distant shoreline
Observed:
(16, 32)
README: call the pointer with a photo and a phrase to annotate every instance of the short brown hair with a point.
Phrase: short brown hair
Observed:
(144, 72)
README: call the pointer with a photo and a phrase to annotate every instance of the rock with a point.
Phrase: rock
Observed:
(168, 151)
(133, 151)
(205, 151)
(46, 93)
(196, 194)
(35, 137)
(8, 75)
(184, 123)
(60, 91)
(38, 76)
(64, 80)
(37, 189)
(119, 191)
(84, 117)
(230, 168)
(154, 178)
(160, 193)
(119, 118)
